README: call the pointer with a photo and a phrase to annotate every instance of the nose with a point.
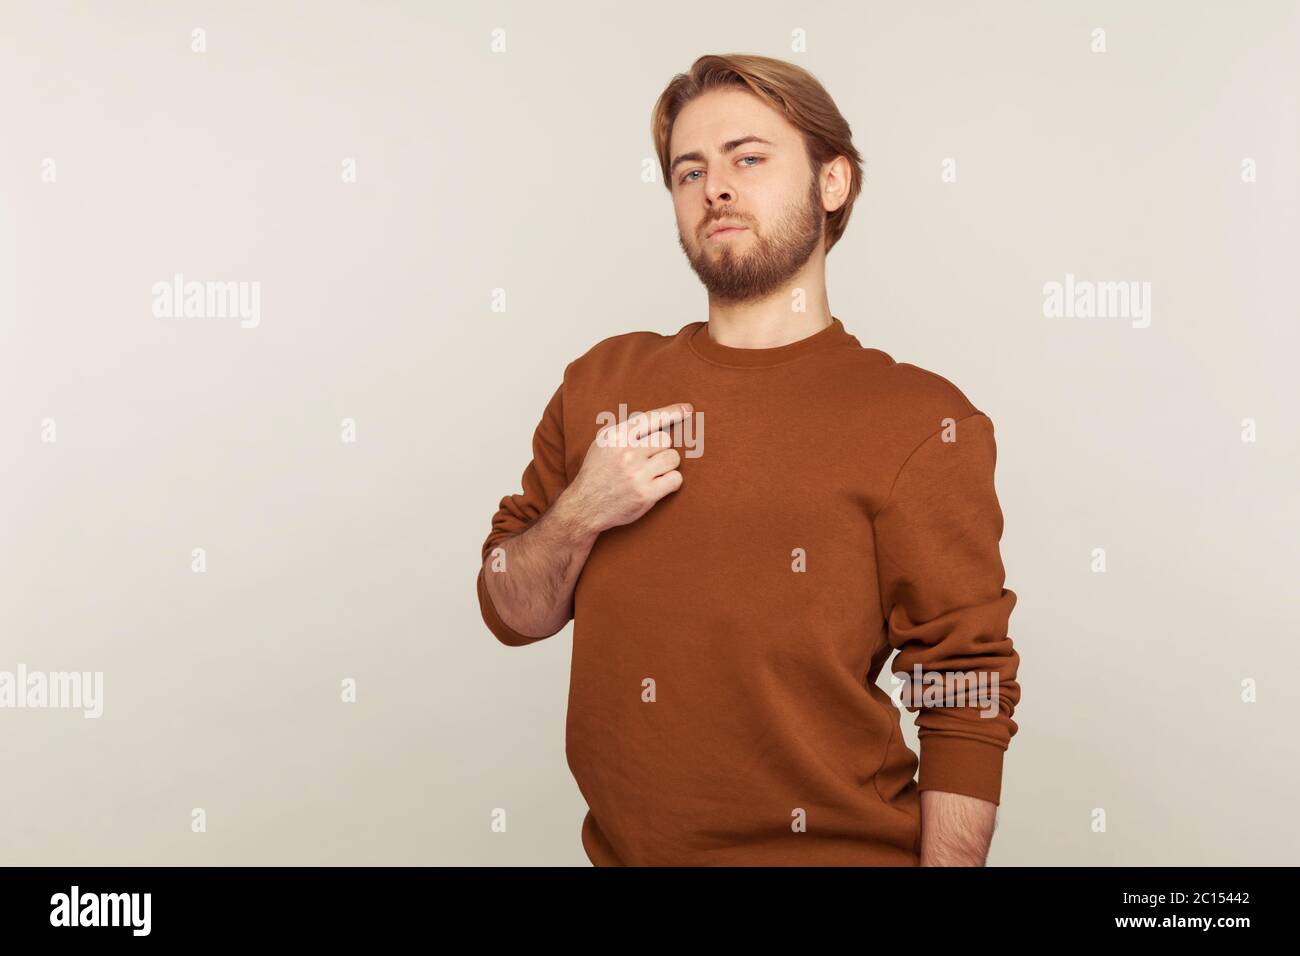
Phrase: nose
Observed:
(719, 192)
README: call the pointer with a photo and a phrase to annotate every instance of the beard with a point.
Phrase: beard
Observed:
(733, 275)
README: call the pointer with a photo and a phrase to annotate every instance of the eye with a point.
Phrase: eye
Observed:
(756, 159)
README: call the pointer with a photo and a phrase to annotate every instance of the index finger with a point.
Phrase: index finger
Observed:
(657, 419)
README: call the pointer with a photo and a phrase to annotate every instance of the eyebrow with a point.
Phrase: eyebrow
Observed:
(727, 147)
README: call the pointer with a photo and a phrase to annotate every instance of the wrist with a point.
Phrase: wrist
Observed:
(572, 521)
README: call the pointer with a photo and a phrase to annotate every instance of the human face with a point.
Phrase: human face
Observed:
(737, 160)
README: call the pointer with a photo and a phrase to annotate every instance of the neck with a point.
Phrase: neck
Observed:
(766, 325)
(771, 322)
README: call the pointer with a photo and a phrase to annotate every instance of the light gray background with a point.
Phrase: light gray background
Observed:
(480, 171)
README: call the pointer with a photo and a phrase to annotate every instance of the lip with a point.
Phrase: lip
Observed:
(725, 231)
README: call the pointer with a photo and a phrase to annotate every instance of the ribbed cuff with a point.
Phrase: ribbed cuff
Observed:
(503, 631)
(961, 765)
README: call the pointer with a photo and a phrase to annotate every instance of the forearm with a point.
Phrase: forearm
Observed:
(533, 588)
(956, 830)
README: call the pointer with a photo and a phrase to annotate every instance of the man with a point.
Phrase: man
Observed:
(734, 602)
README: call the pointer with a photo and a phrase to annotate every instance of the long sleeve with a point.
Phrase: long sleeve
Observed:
(941, 586)
(543, 480)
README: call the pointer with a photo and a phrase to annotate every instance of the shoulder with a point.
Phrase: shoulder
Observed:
(917, 403)
(616, 354)
(924, 387)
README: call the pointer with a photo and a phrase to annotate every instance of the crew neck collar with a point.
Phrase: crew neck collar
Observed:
(709, 350)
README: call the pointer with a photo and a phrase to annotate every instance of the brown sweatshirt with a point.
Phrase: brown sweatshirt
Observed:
(839, 506)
